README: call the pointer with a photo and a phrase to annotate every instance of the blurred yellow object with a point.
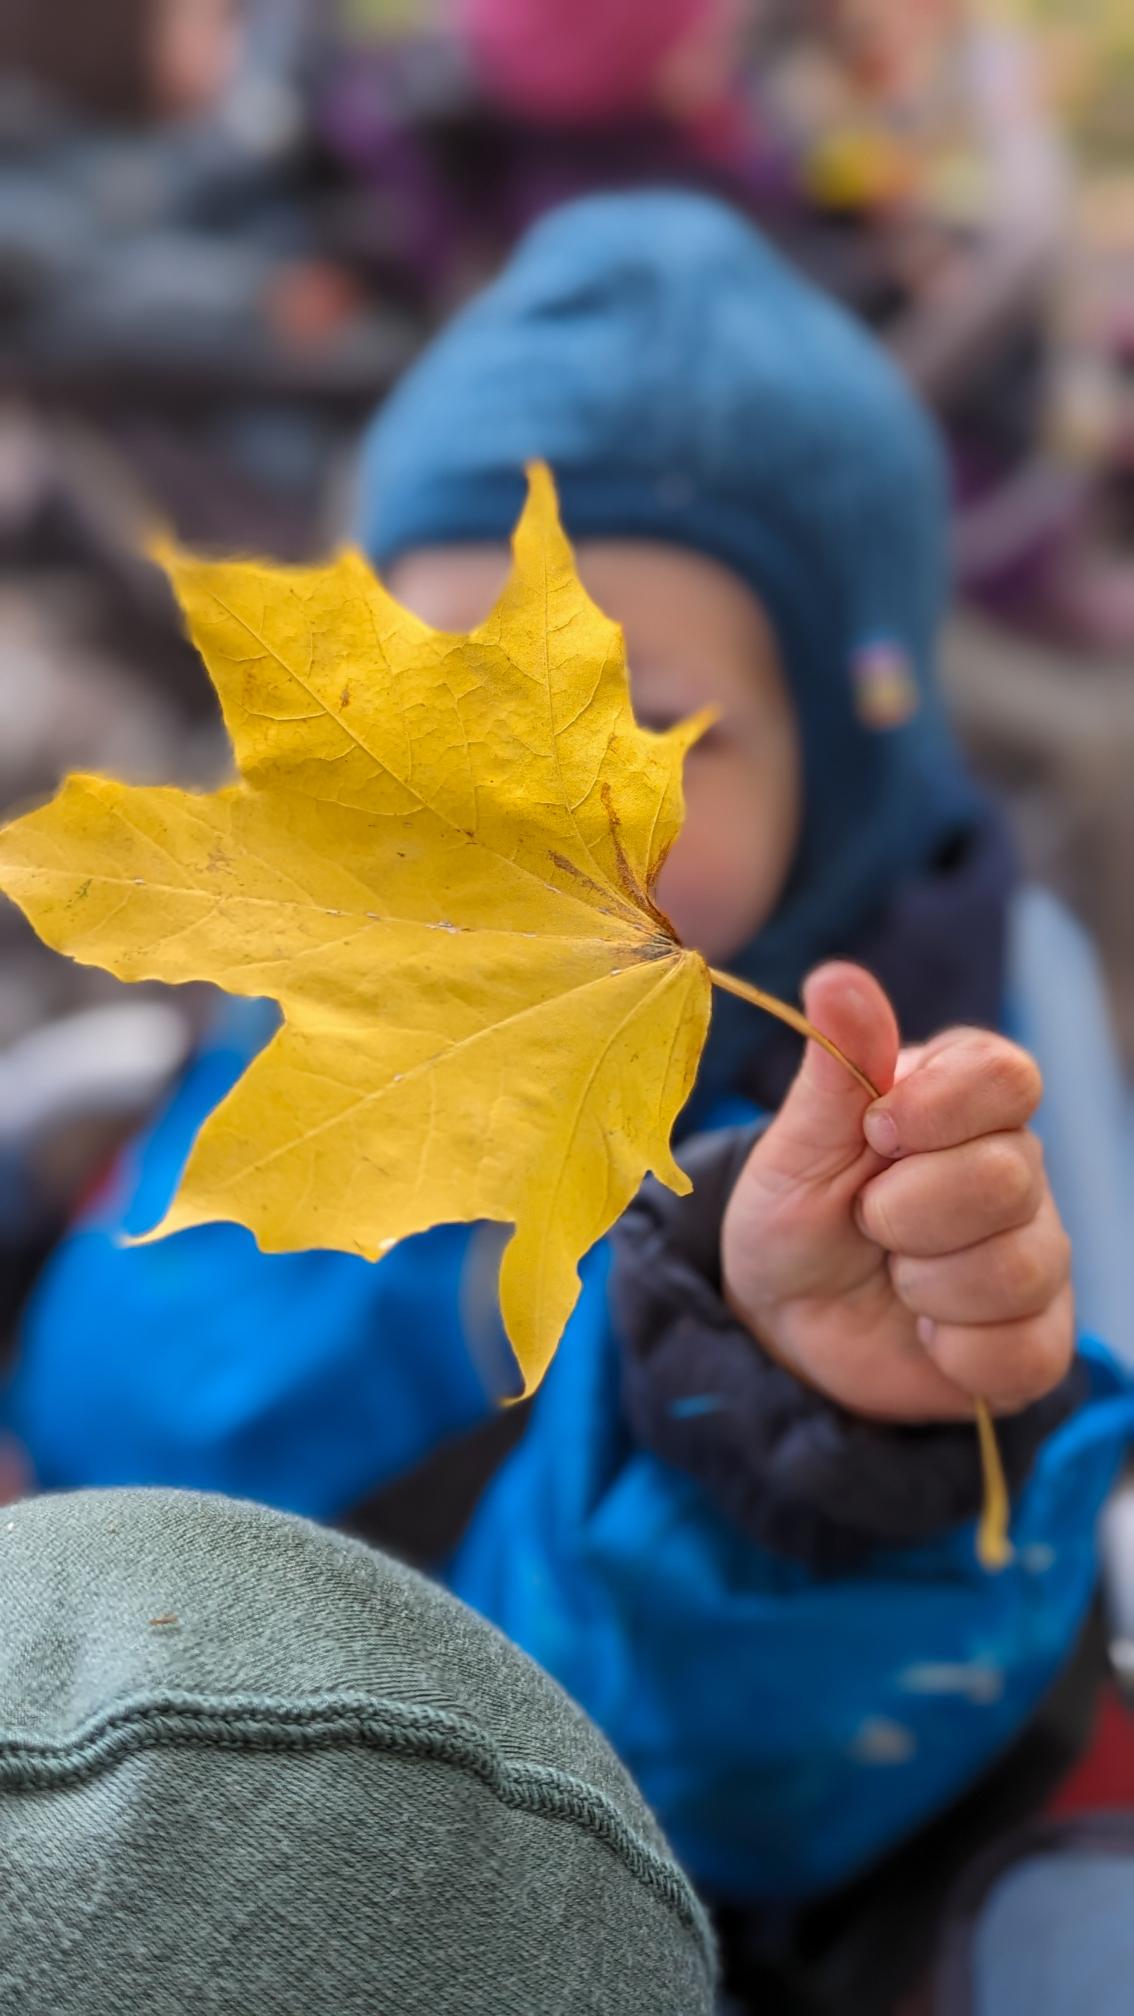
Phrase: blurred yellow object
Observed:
(379, 20)
(860, 168)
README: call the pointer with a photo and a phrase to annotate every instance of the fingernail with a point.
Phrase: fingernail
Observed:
(881, 1131)
(926, 1330)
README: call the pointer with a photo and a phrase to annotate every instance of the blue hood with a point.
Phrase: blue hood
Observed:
(686, 385)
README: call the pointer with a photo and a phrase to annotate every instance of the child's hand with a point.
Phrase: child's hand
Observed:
(904, 1257)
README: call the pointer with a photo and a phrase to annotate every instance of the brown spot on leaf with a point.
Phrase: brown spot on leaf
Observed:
(640, 897)
(568, 868)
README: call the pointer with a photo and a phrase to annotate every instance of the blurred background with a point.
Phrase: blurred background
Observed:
(226, 227)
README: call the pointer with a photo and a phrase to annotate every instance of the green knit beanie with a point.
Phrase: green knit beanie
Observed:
(251, 1768)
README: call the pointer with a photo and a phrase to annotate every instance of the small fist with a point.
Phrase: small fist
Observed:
(903, 1255)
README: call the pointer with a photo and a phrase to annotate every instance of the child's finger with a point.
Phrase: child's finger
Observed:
(848, 1005)
(818, 1129)
(925, 1205)
(1004, 1279)
(1007, 1364)
(973, 1084)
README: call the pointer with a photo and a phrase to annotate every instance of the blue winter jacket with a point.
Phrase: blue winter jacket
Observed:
(788, 1722)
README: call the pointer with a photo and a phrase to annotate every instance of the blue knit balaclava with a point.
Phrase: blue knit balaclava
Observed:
(687, 386)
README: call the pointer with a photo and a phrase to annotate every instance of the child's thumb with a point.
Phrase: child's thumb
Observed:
(819, 1126)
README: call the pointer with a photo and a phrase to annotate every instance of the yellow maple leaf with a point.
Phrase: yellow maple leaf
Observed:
(438, 860)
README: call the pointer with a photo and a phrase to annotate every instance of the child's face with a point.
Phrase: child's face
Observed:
(695, 637)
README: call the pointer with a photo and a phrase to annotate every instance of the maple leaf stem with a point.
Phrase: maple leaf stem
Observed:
(782, 1010)
(994, 1549)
